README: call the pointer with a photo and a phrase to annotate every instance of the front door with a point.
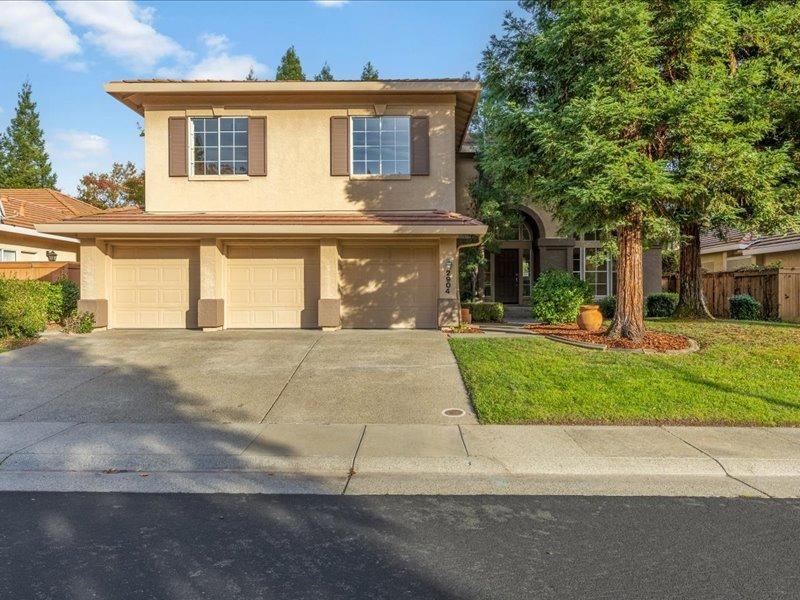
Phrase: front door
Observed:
(506, 276)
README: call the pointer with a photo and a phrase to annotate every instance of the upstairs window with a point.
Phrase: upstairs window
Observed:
(218, 146)
(380, 145)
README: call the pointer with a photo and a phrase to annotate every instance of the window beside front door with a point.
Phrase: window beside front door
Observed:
(380, 146)
(218, 145)
(8, 255)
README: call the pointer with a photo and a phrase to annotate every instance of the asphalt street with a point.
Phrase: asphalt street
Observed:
(176, 546)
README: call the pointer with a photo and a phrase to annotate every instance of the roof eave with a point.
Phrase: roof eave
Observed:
(83, 229)
(774, 248)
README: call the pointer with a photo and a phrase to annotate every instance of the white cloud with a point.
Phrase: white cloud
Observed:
(124, 30)
(80, 146)
(218, 63)
(34, 26)
(331, 3)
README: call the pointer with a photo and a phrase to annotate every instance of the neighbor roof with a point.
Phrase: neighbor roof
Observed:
(22, 213)
(49, 198)
(731, 239)
(749, 243)
(134, 92)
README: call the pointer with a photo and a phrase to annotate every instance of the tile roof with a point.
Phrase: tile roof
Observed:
(136, 215)
(410, 80)
(775, 240)
(710, 239)
(66, 205)
(22, 213)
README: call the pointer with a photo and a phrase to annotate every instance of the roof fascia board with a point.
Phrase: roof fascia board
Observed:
(37, 234)
(221, 229)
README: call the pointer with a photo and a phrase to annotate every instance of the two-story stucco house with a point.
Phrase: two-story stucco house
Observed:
(308, 204)
(285, 204)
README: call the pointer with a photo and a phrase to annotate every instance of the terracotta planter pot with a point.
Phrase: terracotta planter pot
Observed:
(466, 317)
(590, 318)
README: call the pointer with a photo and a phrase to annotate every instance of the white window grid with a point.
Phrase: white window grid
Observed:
(218, 145)
(8, 255)
(380, 145)
(601, 277)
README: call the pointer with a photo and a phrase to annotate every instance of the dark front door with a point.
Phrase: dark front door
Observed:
(506, 276)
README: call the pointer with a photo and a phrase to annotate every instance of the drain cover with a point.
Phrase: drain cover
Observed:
(453, 412)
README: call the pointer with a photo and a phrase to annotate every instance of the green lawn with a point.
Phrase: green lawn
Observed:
(744, 373)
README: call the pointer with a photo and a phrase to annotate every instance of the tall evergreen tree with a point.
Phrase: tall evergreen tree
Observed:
(251, 75)
(290, 68)
(369, 72)
(24, 162)
(324, 74)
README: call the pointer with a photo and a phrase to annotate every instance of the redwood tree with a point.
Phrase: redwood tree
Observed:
(572, 94)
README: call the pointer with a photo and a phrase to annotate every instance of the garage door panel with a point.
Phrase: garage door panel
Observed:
(273, 287)
(388, 286)
(154, 286)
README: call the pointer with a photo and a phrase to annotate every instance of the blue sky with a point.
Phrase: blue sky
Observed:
(69, 49)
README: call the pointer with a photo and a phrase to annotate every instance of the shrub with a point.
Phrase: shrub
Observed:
(744, 307)
(79, 322)
(608, 306)
(23, 307)
(62, 299)
(662, 304)
(485, 312)
(556, 297)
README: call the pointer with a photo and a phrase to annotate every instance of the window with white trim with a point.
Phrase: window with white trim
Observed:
(380, 145)
(8, 255)
(218, 145)
(588, 266)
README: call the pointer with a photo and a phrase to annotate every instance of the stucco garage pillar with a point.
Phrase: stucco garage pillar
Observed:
(211, 305)
(329, 305)
(448, 303)
(95, 280)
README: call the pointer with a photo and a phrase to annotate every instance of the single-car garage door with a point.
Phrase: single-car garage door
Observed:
(272, 286)
(385, 285)
(154, 286)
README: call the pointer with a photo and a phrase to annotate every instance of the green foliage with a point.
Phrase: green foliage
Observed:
(122, 186)
(557, 296)
(24, 162)
(55, 303)
(485, 312)
(369, 72)
(744, 307)
(669, 261)
(23, 307)
(79, 322)
(662, 304)
(68, 293)
(608, 305)
(290, 68)
(324, 74)
(251, 75)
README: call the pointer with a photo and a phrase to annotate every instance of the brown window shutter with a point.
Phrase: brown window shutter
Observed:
(257, 146)
(178, 147)
(340, 146)
(420, 153)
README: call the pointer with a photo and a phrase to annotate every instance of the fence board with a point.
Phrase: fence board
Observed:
(42, 271)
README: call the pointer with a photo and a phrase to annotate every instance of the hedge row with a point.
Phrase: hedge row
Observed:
(485, 312)
(26, 307)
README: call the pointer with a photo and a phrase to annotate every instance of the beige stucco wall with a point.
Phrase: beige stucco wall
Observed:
(465, 174)
(298, 166)
(35, 249)
(787, 259)
(713, 262)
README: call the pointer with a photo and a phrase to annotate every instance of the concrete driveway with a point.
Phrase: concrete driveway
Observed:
(297, 376)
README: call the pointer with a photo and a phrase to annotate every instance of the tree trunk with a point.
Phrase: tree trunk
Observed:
(628, 320)
(691, 302)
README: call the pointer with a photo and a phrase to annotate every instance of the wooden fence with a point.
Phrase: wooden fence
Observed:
(778, 291)
(43, 271)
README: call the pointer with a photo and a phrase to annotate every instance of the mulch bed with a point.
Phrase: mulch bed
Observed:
(653, 340)
(462, 329)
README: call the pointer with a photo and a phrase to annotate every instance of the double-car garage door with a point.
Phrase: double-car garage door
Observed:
(277, 286)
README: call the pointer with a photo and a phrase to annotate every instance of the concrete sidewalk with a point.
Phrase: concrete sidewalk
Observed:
(338, 458)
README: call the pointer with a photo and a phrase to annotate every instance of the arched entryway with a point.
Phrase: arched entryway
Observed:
(513, 269)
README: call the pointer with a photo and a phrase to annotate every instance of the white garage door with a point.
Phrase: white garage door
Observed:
(388, 286)
(272, 286)
(154, 286)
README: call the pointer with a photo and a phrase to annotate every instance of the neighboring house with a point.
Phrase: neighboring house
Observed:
(21, 209)
(285, 204)
(736, 250)
(537, 245)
